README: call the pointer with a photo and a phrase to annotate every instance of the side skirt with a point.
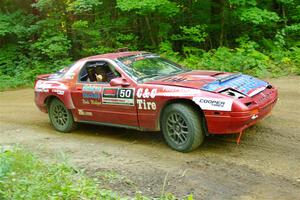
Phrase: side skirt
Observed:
(112, 125)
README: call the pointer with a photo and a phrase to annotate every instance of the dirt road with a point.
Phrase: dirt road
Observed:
(265, 166)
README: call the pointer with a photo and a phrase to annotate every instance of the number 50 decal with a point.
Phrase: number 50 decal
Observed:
(125, 93)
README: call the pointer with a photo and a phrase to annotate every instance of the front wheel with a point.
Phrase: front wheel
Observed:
(182, 127)
(60, 117)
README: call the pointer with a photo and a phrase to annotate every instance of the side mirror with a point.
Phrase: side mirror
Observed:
(119, 82)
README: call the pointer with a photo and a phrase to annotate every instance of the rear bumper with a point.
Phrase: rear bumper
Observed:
(235, 122)
(39, 102)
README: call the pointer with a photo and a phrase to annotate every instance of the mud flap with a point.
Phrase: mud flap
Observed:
(238, 141)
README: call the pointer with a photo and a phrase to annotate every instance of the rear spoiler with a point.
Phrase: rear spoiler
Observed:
(42, 77)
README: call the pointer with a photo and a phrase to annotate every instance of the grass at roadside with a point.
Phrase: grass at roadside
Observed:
(10, 84)
(25, 176)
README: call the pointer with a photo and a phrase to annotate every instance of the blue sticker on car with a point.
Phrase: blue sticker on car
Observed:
(242, 83)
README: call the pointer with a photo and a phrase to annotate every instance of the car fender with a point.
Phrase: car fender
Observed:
(46, 90)
(204, 102)
(62, 95)
(162, 96)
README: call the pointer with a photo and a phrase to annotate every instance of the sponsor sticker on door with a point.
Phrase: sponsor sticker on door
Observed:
(90, 91)
(118, 96)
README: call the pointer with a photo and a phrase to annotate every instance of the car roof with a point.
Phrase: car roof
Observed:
(113, 56)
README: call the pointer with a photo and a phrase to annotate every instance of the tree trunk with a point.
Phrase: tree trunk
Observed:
(218, 21)
(222, 21)
(150, 31)
(284, 15)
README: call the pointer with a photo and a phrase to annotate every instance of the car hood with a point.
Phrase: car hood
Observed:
(192, 79)
(214, 81)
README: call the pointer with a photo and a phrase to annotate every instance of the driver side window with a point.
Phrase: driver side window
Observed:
(98, 71)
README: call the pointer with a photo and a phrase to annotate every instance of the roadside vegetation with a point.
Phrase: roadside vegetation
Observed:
(256, 37)
(25, 176)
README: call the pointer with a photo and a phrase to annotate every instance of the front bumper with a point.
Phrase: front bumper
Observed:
(236, 122)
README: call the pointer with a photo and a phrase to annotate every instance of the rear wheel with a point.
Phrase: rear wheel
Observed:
(182, 127)
(61, 118)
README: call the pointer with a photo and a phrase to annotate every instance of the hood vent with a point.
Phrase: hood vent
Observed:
(232, 93)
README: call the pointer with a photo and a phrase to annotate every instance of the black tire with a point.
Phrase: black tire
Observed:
(60, 117)
(182, 127)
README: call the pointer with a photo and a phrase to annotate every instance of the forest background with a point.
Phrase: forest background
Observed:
(258, 37)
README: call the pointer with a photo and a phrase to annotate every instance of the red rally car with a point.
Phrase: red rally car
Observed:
(144, 91)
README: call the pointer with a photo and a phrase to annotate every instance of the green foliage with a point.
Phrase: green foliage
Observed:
(43, 4)
(7, 59)
(4, 25)
(258, 16)
(143, 7)
(195, 34)
(247, 59)
(257, 37)
(80, 25)
(242, 3)
(15, 24)
(56, 46)
(83, 6)
(129, 40)
(165, 49)
(295, 28)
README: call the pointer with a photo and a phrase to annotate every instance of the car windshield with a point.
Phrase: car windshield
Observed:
(144, 67)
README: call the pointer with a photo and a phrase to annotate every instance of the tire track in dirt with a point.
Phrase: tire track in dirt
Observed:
(265, 166)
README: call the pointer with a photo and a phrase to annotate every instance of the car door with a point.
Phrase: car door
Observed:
(101, 102)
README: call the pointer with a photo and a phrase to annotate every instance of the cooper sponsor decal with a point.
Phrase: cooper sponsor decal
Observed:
(118, 96)
(213, 103)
